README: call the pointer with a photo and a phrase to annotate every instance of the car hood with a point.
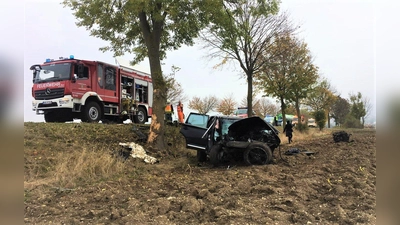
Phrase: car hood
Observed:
(251, 124)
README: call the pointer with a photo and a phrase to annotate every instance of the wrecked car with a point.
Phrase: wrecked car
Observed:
(226, 138)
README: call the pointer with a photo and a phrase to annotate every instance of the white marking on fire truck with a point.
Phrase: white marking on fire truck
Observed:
(53, 84)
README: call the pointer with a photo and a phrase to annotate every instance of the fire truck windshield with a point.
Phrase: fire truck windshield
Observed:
(53, 72)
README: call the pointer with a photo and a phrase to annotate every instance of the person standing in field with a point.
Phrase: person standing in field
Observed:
(169, 110)
(181, 115)
(289, 130)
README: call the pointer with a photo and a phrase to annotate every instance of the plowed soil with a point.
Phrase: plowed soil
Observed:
(336, 185)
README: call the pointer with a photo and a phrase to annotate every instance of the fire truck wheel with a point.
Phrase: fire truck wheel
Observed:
(91, 112)
(50, 117)
(57, 117)
(141, 115)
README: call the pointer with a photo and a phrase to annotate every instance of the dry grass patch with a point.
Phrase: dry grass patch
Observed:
(306, 135)
(86, 166)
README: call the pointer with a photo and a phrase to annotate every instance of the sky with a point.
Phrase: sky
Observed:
(341, 35)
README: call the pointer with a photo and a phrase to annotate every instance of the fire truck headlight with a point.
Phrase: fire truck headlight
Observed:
(34, 104)
(63, 101)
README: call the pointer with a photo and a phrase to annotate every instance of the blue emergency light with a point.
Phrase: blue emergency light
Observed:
(48, 60)
(71, 56)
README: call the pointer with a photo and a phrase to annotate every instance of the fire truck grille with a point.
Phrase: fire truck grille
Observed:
(49, 94)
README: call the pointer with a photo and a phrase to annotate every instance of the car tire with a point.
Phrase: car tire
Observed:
(216, 154)
(257, 153)
(201, 156)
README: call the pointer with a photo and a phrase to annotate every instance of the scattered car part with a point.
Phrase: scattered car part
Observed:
(341, 136)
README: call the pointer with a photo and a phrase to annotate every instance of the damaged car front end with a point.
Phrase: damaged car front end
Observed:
(225, 138)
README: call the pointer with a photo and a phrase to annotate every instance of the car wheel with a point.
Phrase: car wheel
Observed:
(201, 156)
(216, 155)
(257, 154)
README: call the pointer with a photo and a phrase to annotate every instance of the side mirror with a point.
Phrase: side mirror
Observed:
(36, 68)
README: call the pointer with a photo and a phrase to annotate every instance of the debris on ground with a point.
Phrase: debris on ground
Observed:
(341, 136)
(137, 151)
(141, 136)
(294, 151)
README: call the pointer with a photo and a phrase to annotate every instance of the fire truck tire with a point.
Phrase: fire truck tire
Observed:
(91, 112)
(50, 117)
(141, 115)
(57, 117)
(257, 153)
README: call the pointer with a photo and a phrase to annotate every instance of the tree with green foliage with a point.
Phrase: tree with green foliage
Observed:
(147, 29)
(289, 74)
(303, 73)
(340, 109)
(357, 110)
(241, 32)
(322, 97)
(320, 118)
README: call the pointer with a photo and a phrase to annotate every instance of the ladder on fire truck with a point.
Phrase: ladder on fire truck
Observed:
(125, 65)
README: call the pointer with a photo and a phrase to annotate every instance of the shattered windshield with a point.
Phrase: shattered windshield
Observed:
(53, 72)
(225, 125)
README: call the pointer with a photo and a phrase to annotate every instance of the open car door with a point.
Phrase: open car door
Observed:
(194, 130)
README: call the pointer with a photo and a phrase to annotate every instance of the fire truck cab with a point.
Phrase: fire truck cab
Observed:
(69, 88)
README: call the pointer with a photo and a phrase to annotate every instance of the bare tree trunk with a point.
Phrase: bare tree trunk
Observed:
(249, 95)
(152, 38)
(329, 120)
(297, 106)
(156, 135)
(283, 107)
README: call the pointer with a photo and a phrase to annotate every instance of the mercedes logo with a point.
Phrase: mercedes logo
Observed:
(48, 91)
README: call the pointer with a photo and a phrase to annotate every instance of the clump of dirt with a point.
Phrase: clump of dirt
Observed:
(336, 185)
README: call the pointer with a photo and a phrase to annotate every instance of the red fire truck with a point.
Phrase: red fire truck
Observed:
(69, 88)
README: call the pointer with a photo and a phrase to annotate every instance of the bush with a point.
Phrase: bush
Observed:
(320, 119)
(351, 122)
(302, 127)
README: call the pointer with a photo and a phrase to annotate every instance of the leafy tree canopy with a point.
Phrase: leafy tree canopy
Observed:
(172, 23)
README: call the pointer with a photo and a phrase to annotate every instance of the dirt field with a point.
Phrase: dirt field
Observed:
(71, 178)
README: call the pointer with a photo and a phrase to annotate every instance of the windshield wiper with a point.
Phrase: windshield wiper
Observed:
(39, 81)
(56, 79)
